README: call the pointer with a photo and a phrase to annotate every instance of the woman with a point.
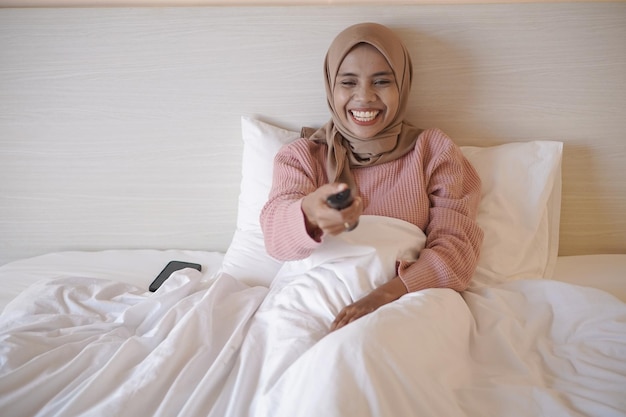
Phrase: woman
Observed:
(392, 168)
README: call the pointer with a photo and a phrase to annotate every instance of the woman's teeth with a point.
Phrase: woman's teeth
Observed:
(364, 116)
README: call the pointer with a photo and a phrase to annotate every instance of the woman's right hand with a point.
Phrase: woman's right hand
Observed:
(322, 219)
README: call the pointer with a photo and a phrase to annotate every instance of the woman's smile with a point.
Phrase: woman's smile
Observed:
(364, 117)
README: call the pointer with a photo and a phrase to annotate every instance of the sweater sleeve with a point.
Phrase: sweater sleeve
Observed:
(296, 174)
(453, 237)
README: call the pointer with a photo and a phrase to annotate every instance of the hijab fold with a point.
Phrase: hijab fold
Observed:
(345, 150)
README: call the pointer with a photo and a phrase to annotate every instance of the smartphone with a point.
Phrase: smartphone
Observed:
(340, 200)
(170, 268)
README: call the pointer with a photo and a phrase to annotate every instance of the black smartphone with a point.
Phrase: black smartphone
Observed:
(170, 268)
(340, 200)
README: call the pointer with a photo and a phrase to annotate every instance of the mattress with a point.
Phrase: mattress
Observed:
(605, 272)
(135, 267)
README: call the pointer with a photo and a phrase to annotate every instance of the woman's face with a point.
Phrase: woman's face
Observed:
(365, 95)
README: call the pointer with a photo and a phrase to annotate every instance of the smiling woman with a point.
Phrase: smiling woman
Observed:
(393, 169)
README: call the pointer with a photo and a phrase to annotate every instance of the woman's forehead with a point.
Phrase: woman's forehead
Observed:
(364, 56)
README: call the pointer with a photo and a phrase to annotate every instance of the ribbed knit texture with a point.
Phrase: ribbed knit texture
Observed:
(433, 187)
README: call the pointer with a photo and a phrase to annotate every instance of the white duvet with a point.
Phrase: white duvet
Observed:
(93, 347)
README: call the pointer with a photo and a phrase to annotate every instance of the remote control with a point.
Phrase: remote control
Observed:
(340, 200)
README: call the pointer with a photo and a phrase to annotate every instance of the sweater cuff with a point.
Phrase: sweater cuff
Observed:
(297, 233)
(418, 275)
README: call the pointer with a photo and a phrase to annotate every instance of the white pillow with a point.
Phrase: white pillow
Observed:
(519, 211)
(246, 257)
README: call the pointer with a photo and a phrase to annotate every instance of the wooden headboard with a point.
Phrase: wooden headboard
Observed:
(120, 127)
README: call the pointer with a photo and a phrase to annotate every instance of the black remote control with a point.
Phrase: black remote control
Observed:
(340, 200)
(169, 269)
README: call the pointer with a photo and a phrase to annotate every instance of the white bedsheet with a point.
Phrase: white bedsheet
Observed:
(207, 345)
(78, 346)
(529, 348)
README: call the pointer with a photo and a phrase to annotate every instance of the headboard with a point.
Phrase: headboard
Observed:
(120, 127)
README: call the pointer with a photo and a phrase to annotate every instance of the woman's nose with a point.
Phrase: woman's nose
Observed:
(365, 94)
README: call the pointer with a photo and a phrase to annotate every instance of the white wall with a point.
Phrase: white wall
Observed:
(119, 127)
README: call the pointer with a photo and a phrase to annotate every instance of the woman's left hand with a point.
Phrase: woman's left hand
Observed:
(382, 295)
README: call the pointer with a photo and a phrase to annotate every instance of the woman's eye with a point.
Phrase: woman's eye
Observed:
(348, 83)
(382, 82)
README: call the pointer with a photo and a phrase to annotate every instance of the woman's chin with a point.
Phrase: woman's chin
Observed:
(364, 132)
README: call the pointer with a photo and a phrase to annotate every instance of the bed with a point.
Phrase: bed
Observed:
(130, 137)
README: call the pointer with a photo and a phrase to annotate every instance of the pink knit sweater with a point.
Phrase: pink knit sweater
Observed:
(433, 187)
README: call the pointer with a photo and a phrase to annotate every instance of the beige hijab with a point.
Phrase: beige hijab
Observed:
(344, 149)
